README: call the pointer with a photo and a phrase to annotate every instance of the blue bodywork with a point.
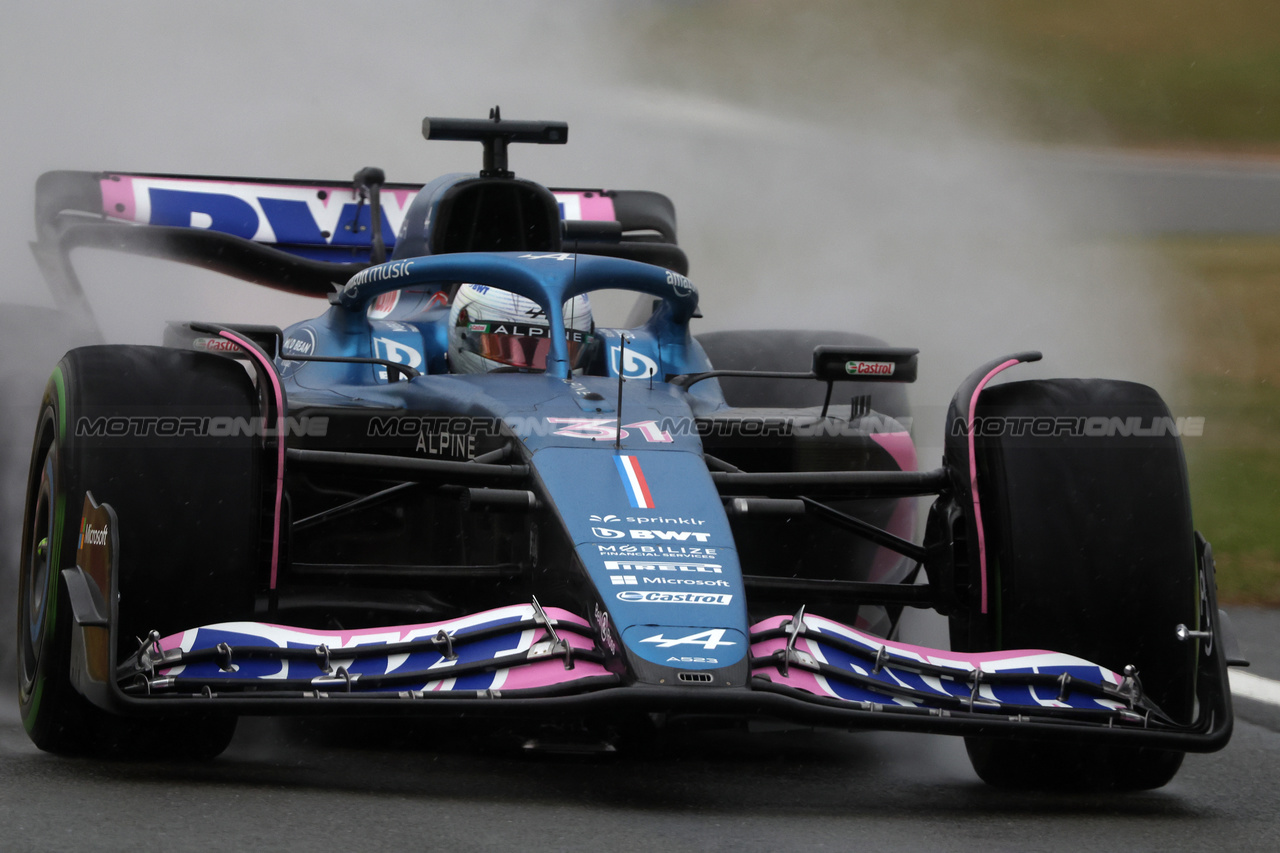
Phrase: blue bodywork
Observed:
(669, 570)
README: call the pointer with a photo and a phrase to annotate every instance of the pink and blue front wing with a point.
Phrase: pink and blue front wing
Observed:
(503, 649)
(826, 650)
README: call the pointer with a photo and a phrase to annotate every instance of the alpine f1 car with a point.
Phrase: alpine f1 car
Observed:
(417, 504)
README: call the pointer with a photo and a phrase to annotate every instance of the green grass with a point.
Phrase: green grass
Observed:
(1229, 305)
(1236, 501)
(1187, 73)
(1151, 73)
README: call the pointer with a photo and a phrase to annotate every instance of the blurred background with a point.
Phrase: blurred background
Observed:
(946, 176)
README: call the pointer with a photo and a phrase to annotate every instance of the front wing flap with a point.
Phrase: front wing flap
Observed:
(521, 648)
(522, 659)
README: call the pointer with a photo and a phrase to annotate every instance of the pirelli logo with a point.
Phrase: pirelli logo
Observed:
(697, 568)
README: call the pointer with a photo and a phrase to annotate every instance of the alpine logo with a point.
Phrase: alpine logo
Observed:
(709, 640)
(674, 597)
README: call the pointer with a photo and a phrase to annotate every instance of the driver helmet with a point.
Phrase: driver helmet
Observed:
(491, 329)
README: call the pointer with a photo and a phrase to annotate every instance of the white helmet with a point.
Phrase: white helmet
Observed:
(491, 328)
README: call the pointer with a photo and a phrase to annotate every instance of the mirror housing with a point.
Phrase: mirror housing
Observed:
(865, 364)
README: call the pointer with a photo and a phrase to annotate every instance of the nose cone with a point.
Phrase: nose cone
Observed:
(650, 531)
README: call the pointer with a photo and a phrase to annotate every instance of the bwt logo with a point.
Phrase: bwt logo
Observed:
(263, 213)
(666, 535)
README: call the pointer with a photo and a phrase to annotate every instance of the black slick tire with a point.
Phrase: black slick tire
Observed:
(188, 508)
(1090, 551)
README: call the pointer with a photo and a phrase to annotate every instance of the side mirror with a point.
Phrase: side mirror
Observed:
(865, 364)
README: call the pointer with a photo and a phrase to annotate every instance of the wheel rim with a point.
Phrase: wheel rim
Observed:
(36, 575)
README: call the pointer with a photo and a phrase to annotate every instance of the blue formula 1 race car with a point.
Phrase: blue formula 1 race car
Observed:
(453, 494)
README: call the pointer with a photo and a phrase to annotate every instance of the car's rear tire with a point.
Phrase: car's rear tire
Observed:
(1090, 551)
(188, 510)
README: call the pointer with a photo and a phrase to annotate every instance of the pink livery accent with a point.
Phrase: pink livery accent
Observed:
(940, 657)
(801, 679)
(973, 478)
(902, 524)
(547, 672)
(519, 675)
(117, 198)
(583, 205)
(900, 446)
(597, 207)
(283, 634)
(816, 626)
(269, 369)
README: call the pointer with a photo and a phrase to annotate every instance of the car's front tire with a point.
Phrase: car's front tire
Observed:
(1090, 551)
(188, 510)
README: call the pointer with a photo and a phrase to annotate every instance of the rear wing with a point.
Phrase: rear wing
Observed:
(304, 237)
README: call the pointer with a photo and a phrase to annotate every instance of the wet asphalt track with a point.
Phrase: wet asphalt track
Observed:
(289, 785)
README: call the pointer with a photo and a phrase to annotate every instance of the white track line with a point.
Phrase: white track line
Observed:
(1255, 687)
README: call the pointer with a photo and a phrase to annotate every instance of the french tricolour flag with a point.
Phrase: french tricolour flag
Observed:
(633, 481)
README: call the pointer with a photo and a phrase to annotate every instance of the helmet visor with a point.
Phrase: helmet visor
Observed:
(522, 345)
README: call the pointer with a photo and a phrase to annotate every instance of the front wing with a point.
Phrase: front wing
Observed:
(524, 660)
